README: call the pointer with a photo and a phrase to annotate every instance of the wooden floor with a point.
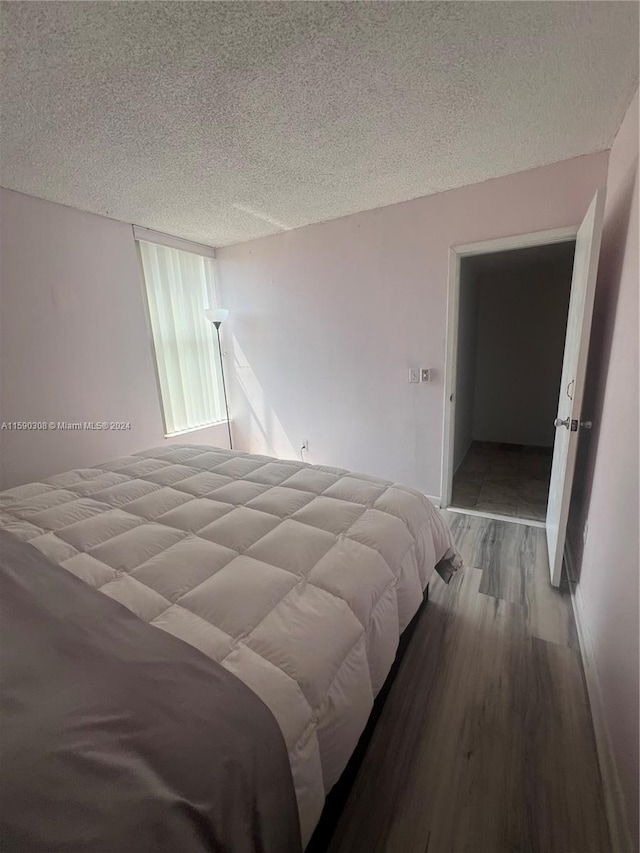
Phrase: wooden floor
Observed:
(485, 743)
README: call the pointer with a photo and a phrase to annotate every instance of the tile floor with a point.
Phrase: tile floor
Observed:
(506, 479)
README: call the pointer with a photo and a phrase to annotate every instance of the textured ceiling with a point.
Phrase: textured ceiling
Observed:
(221, 122)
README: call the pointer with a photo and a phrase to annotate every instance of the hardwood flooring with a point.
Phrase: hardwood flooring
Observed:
(485, 743)
(506, 479)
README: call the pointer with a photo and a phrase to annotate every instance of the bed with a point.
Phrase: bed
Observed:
(298, 579)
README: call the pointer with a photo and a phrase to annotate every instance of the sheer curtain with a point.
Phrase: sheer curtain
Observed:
(179, 287)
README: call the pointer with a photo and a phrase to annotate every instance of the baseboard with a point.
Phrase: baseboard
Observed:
(434, 500)
(621, 841)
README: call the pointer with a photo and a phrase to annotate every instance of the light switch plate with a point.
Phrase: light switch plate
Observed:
(414, 374)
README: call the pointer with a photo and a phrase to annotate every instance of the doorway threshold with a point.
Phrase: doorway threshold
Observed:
(530, 522)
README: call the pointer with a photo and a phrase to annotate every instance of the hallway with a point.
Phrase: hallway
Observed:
(504, 479)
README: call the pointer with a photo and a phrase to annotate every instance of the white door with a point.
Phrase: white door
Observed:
(576, 349)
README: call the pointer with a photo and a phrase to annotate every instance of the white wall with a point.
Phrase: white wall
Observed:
(327, 319)
(465, 363)
(74, 344)
(606, 487)
(522, 316)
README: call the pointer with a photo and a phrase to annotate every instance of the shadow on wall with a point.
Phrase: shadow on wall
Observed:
(266, 434)
(614, 239)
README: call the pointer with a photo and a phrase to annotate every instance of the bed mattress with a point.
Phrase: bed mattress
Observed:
(297, 578)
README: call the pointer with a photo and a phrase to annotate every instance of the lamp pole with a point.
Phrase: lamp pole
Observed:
(217, 324)
(217, 316)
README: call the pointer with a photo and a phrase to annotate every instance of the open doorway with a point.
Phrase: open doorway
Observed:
(584, 240)
(512, 320)
(512, 307)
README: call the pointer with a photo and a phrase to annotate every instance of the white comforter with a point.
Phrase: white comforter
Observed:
(297, 578)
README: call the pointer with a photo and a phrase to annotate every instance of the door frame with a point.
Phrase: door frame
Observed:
(456, 254)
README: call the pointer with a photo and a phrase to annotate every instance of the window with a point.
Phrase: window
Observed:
(179, 286)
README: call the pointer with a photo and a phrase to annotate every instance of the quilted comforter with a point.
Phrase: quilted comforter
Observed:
(298, 579)
(119, 738)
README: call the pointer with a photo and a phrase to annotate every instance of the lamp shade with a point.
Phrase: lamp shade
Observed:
(216, 315)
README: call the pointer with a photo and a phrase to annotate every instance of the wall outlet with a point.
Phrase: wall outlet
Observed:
(414, 374)
(585, 532)
(425, 374)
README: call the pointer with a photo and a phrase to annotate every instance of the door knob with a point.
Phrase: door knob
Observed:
(559, 422)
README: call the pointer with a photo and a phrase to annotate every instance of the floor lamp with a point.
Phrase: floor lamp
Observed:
(217, 316)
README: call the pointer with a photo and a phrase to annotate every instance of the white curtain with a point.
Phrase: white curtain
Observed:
(179, 287)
